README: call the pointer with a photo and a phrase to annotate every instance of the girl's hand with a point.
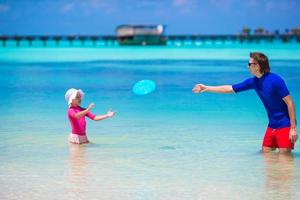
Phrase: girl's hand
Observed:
(293, 135)
(110, 113)
(91, 106)
(199, 88)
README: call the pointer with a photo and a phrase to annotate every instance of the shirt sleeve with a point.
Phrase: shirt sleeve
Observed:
(245, 85)
(90, 115)
(281, 88)
(71, 113)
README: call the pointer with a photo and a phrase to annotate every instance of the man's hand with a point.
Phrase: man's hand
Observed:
(293, 135)
(199, 88)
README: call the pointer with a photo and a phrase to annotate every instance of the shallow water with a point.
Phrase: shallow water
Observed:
(170, 144)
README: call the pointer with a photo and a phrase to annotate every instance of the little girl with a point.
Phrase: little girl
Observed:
(77, 115)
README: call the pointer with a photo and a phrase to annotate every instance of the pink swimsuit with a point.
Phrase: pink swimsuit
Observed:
(78, 125)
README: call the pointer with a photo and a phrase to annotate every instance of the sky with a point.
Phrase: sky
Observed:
(101, 17)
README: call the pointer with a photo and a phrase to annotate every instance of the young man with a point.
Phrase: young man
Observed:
(281, 131)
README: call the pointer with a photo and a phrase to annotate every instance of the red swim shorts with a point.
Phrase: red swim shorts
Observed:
(278, 138)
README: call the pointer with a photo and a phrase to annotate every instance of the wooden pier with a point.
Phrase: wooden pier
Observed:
(171, 39)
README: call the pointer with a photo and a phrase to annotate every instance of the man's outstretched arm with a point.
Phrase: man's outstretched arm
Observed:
(224, 89)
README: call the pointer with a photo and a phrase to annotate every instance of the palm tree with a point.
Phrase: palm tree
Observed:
(246, 31)
(296, 32)
(259, 31)
(287, 31)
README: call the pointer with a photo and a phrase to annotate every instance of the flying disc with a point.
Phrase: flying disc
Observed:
(143, 87)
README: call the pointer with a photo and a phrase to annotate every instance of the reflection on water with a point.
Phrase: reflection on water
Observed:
(189, 149)
(77, 171)
(280, 176)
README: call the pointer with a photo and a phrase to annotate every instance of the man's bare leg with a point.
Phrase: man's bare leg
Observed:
(267, 149)
(285, 150)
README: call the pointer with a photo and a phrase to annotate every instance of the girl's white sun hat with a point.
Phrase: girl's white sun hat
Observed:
(71, 94)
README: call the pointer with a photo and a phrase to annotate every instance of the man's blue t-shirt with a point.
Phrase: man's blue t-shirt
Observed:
(271, 88)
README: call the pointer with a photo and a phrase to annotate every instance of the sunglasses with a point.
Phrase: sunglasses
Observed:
(249, 64)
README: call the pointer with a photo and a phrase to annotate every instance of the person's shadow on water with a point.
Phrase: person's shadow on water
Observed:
(279, 176)
(77, 171)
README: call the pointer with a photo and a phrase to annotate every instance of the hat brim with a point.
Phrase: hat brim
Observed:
(73, 96)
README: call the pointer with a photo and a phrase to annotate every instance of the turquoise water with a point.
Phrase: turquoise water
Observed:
(170, 144)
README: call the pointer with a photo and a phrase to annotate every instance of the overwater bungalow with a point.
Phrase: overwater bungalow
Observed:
(141, 35)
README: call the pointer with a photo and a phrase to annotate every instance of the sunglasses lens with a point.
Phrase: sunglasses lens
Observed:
(249, 64)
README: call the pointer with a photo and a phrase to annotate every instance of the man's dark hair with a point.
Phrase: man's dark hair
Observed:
(262, 60)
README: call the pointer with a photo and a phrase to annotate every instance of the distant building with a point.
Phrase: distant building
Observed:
(141, 35)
